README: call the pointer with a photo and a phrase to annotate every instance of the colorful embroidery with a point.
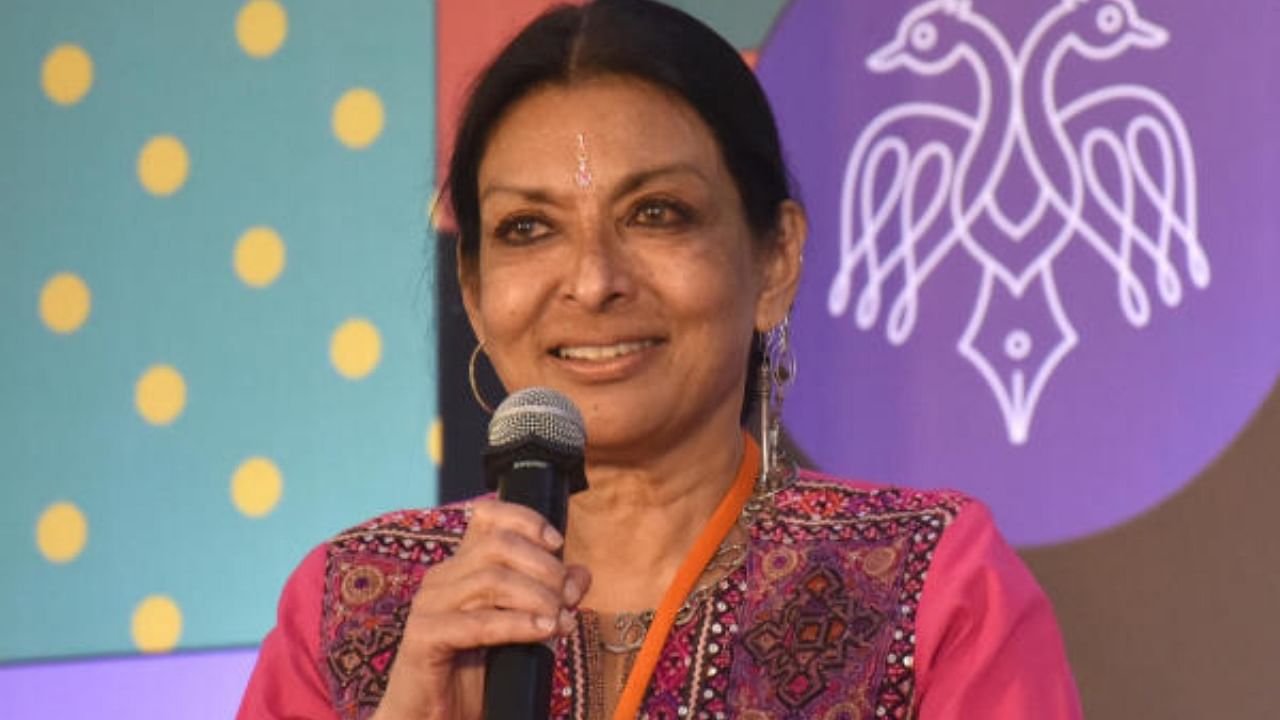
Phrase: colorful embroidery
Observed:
(362, 584)
(692, 678)
(814, 635)
(831, 631)
(818, 622)
(372, 574)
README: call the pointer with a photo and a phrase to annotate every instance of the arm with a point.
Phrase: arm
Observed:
(988, 645)
(287, 683)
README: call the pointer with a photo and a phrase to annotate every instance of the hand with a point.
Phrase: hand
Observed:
(503, 585)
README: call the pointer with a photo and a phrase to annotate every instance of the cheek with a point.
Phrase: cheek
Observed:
(716, 279)
(715, 292)
(508, 293)
(502, 313)
(504, 310)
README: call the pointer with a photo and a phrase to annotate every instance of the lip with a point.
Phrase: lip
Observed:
(606, 369)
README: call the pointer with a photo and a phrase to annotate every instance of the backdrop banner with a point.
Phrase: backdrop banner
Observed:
(1043, 254)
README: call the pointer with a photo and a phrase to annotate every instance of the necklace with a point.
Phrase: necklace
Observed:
(633, 627)
(691, 573)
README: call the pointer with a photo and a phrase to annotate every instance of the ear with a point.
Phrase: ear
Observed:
(781, 268)
(469, 283)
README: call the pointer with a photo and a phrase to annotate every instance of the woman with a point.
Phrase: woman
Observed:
(627, 237)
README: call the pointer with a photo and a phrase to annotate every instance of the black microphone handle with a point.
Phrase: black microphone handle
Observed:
(517, 681)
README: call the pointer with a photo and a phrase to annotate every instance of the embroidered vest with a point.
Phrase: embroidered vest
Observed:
(818, 621)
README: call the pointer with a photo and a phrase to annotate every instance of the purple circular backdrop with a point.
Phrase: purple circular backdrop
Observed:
(1043, 264)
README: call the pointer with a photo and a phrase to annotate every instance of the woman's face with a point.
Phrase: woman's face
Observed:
(616, 265)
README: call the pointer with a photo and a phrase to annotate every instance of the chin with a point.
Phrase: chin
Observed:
(617, 427)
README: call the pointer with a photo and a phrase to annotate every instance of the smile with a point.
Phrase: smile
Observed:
(602, 352)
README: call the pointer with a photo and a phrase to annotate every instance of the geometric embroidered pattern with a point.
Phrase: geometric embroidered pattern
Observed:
(361, 662)
(371, 575)
(813, 635)
(818, 621)
(836, 575)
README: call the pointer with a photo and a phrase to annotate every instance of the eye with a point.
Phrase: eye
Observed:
(924, 36)
(522, 229)
(660, 213)
(1110, 19)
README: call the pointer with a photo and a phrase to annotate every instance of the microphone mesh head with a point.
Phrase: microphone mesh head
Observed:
(538, 413)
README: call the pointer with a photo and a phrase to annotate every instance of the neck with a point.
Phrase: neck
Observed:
(634, 525)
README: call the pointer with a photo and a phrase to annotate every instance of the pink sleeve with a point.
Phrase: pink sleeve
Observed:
(988, 645)
(287, 683)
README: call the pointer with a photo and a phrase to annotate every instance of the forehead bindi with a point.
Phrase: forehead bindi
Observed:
(582, 176)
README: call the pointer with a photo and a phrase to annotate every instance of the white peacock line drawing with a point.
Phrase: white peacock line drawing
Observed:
(1013, 181)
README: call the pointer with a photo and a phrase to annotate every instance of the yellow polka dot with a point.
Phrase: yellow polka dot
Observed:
(357, 118)
(355, 348)
(256, 487)
(157, 624)
(261, 27)
(259, 256)
(163, 165)
(61, 532)
(160, 395)
(64, 303)
(435, 441)
(67, 74)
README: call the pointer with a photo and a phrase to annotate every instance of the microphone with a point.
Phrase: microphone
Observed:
(534, 459)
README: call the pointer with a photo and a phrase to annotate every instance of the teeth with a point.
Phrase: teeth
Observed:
(603, 352)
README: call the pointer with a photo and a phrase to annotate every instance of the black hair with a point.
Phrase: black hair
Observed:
(649, 41)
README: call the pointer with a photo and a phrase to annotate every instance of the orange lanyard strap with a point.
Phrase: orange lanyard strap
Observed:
(695, 563)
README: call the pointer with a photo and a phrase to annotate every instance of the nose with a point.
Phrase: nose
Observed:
(601, 273)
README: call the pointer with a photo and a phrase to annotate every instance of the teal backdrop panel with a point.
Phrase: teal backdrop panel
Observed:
(745, 23)
(187, 406)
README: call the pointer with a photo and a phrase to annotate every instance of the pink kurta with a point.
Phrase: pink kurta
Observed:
(853, 601)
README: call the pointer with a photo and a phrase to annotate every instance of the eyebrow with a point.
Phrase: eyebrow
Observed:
(628, 185)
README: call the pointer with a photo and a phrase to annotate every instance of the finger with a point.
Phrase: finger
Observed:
(489, 515)
(459, 631)
(515, 551)
(576, 584)
(497, 586)
(473, 578)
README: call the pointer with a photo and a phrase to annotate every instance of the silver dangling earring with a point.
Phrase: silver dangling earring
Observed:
(471, 375)
(777, 372)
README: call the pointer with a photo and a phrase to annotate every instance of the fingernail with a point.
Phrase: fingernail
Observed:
(545, 624)
(552, 537)
(572, 593)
